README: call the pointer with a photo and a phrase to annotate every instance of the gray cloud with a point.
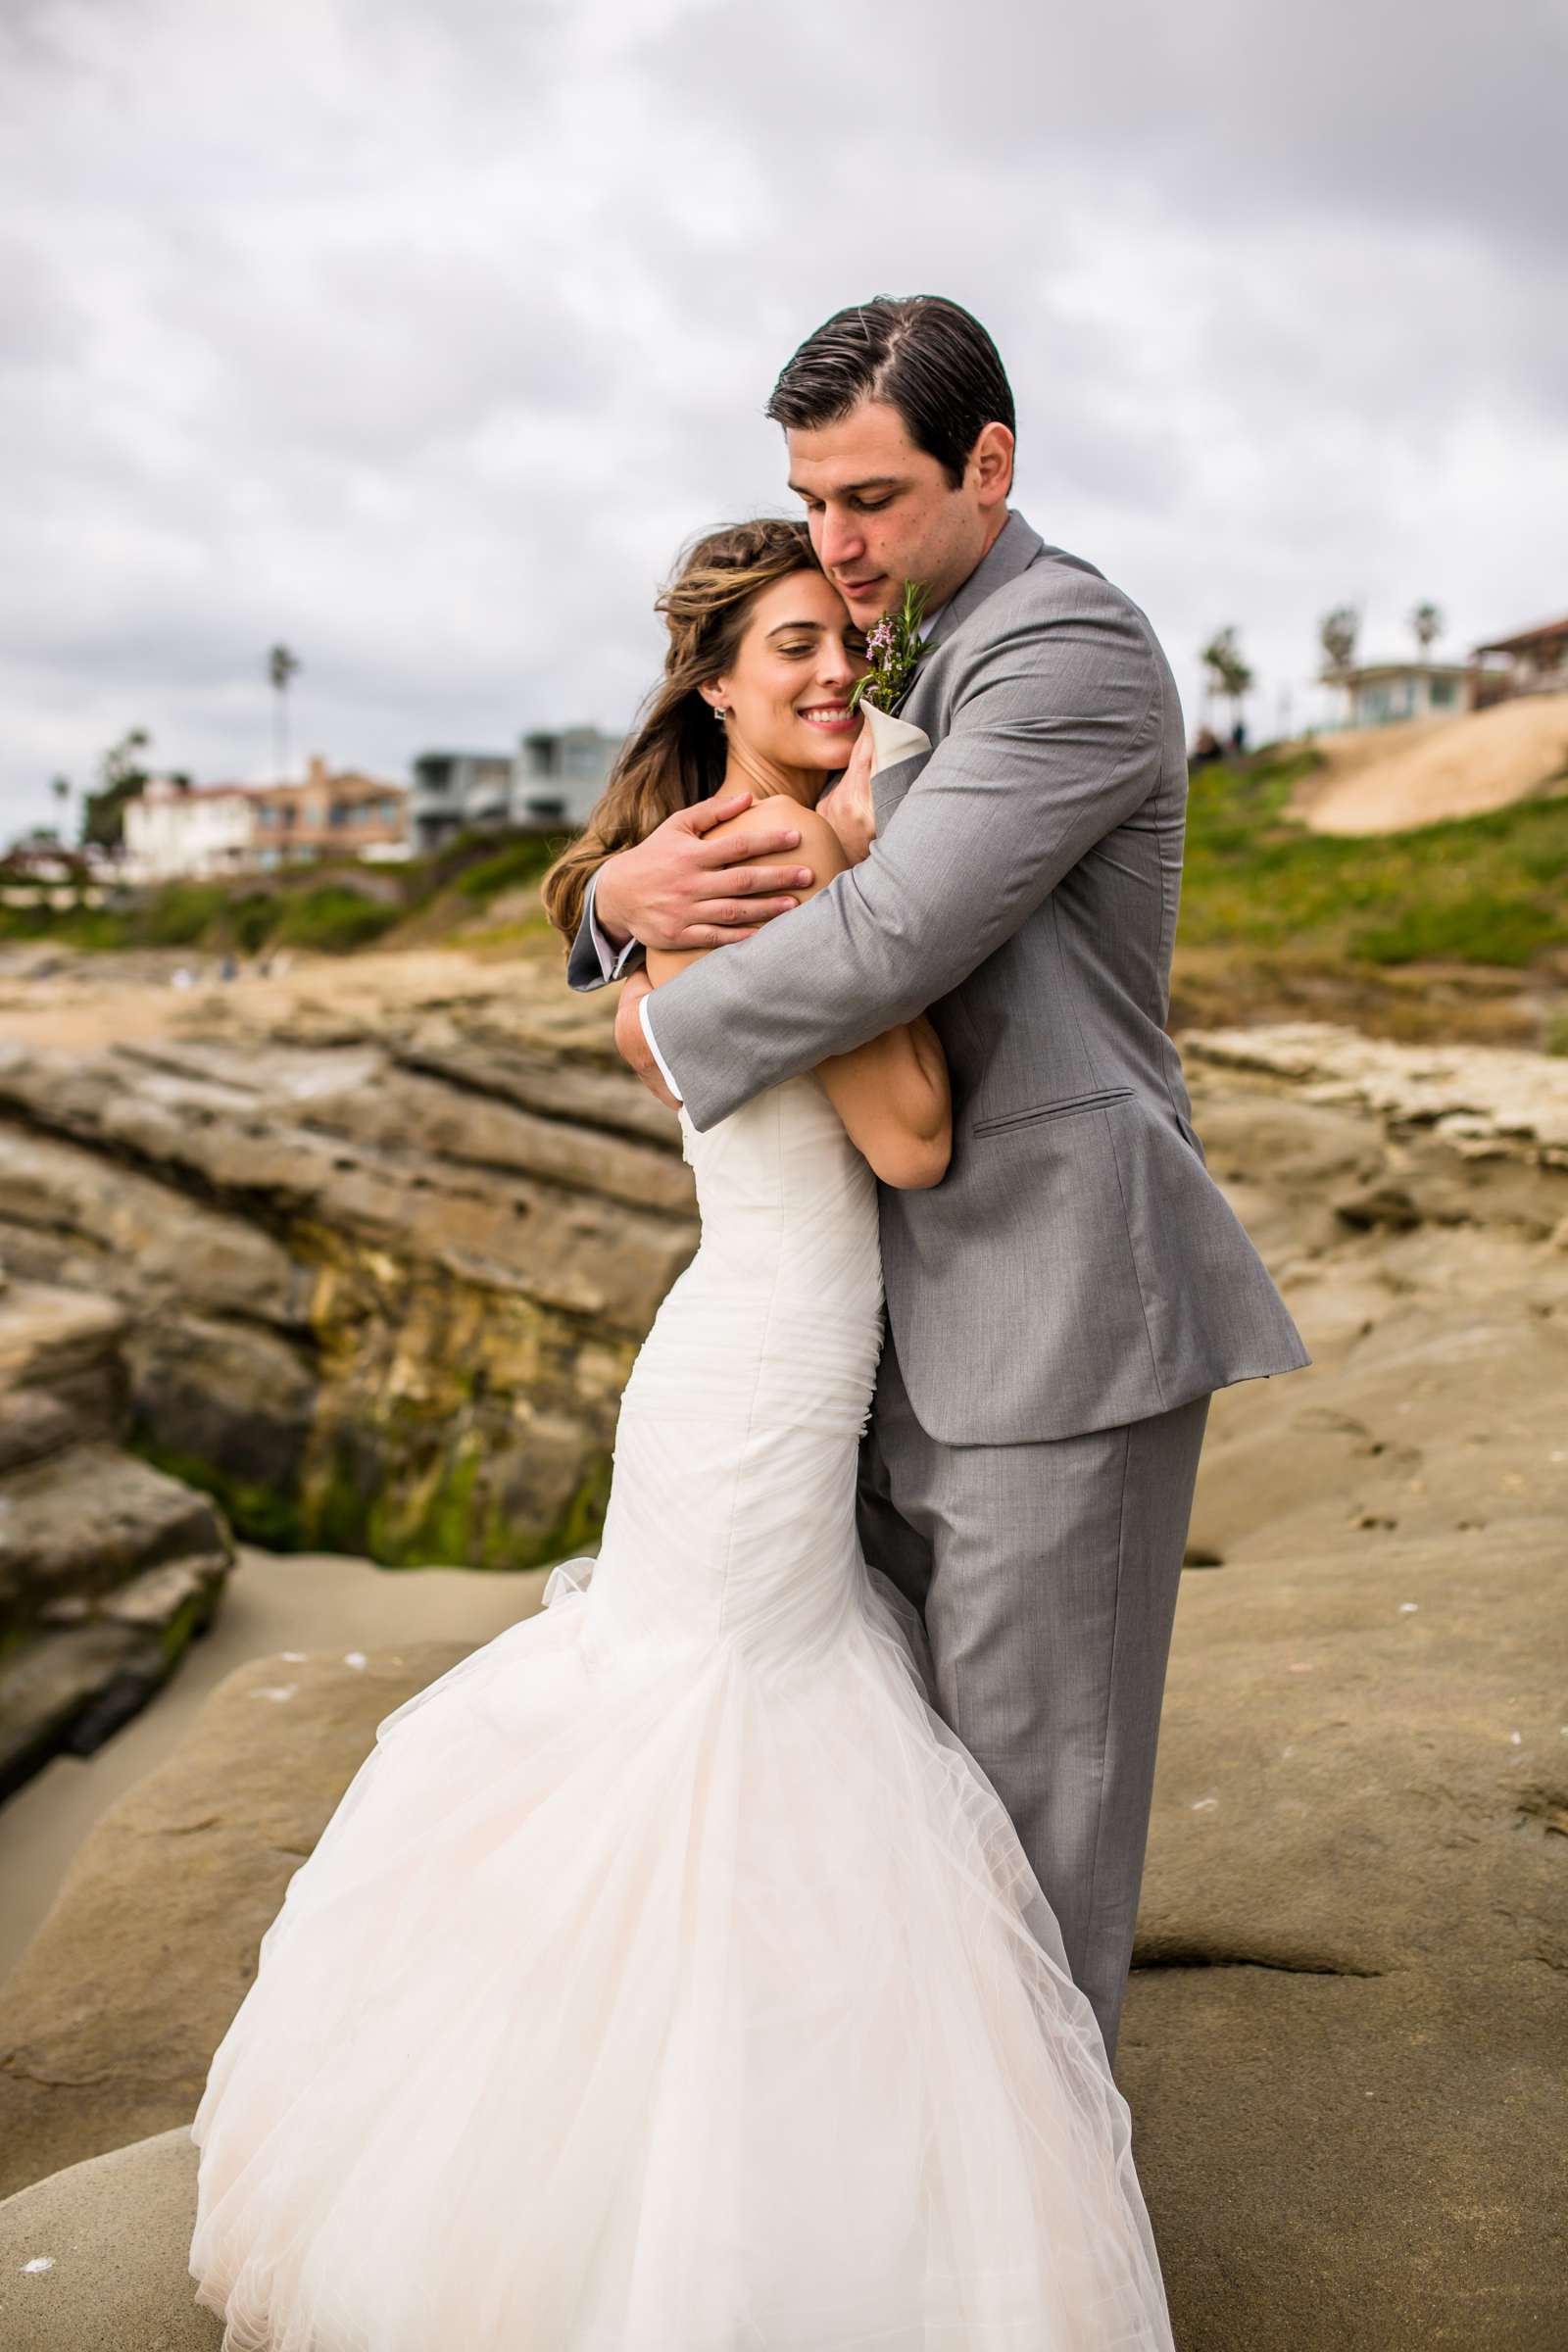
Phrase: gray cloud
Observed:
(421, 336)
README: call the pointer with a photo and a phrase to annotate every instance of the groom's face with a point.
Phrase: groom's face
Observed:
(882, 512)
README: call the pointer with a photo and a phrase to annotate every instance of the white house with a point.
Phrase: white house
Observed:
(176, 831)
(1379, 693)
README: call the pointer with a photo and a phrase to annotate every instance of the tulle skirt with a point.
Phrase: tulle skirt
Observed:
(648, 1997)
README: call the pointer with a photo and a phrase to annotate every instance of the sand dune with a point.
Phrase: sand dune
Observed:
(1385, 779)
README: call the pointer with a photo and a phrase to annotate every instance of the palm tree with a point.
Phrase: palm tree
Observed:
(122, 777)
(1427, 625)
(61, 788)
(280, 667)
(1228, 671)
(1337, 634)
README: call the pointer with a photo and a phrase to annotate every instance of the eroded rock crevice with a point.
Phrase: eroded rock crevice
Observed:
(107, 1567)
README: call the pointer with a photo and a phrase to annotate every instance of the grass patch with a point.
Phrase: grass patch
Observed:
(182, 914)
(522, 861)
(1481, 890)
(332, 919)
(328, 908)
(1484, 890)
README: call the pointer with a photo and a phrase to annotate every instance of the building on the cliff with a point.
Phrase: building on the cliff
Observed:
(40, 871)
(179, 832)
(553, 778)
(1533, 661)
(559, 776)
(456, 791)
(199, 832)
(341, 814)
(1379, 694)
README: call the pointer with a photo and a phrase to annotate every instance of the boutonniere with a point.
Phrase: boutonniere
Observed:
(894, 648)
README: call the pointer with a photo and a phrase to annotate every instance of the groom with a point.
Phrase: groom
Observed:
(1062, 1306)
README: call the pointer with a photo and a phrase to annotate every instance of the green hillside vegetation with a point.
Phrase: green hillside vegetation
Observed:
(1481, 890)
(1442, 930)
(330, 908)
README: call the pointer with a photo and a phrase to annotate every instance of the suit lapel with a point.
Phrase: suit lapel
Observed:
(890, 784)
(1015, 549)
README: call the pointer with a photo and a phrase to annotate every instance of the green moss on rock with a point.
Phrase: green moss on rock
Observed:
(256, 1512)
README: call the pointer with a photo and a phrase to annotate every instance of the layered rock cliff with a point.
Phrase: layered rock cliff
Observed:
(384, 1267)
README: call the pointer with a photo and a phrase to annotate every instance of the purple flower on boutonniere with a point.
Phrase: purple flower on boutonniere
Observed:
(894, 648)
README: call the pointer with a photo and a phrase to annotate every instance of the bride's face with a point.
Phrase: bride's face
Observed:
(786, 694)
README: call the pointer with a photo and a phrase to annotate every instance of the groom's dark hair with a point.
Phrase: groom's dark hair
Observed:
(922, 355)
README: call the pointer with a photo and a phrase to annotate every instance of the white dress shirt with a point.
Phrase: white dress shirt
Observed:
(612, 960)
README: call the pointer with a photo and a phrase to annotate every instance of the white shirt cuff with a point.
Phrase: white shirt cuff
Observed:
(664, 1069)
(612, 960)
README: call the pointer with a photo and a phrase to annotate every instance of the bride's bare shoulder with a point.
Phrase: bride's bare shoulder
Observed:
(819, 844)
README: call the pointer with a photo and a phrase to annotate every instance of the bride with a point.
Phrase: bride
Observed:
(669, 1979)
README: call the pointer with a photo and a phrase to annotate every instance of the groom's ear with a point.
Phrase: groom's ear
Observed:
(990, 464)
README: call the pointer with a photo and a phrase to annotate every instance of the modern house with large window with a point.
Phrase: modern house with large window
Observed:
(559, 776)
(553, 779)
(456, 791)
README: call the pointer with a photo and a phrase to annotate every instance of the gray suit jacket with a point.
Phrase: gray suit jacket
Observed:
(1077, 1268)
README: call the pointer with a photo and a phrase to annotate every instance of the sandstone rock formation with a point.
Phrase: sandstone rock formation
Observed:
(1343, 2041)
(93, 2259)
(385, 1267)
(107, 1566)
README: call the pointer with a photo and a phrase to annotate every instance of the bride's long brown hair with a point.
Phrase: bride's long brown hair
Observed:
(675, 756)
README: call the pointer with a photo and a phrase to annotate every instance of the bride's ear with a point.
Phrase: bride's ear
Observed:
(715, 696)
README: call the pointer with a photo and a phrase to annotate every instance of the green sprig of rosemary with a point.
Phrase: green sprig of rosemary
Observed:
(894, 648)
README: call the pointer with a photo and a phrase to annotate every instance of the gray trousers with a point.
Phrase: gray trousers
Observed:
(1047, 1576)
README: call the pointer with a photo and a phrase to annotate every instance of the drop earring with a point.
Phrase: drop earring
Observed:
(720, 712)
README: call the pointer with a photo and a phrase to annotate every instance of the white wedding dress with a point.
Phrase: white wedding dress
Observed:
(669, 1979)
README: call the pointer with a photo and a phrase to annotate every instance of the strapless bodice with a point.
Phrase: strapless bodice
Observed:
(733, 1502)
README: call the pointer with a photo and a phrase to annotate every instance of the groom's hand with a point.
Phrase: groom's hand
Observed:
(631, 1043)
(677, 888)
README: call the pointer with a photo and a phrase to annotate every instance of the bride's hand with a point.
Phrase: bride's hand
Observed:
(848, 807)
(633, 1045)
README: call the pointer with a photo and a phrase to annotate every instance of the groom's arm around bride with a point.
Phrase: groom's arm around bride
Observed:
(1062, 1305)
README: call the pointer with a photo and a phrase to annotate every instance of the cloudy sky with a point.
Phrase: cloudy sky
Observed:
(419, 333)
